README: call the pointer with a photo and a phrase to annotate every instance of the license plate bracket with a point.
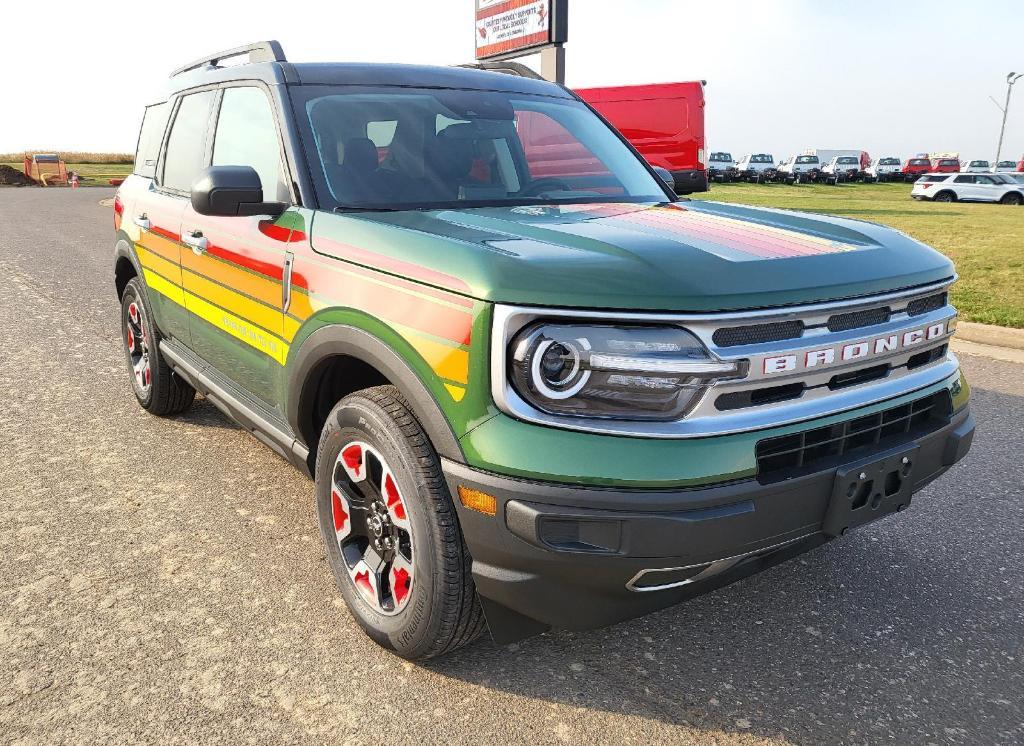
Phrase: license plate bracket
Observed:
(870, 489)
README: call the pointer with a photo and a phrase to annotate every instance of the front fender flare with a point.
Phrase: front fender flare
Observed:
(341, 339)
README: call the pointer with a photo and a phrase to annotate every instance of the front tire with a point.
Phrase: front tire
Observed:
(156, 387)
(390, 529)
(1013, 198)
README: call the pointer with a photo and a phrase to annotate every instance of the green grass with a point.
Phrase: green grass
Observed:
(985, 241)
(93, 174)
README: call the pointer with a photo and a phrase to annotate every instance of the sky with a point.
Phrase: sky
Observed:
(893, 77)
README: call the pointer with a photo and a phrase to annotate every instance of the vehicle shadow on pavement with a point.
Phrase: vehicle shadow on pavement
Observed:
(902, 630)
(203, 413)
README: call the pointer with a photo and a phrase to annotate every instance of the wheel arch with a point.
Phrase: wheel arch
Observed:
(339, 359)
(125, 265)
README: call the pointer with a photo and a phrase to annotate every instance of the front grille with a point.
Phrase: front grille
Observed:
(926, 305)
(733, 336)
(842, 322)
(787, 456)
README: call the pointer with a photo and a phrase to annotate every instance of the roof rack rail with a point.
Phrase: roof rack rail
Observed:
(507, 67)
(260, 51)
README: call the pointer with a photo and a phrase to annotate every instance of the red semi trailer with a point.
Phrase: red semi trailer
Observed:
(664, 121)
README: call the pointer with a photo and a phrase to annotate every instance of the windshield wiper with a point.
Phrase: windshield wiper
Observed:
(364, 208)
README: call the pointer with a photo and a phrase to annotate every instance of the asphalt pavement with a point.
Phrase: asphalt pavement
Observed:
(163, 580)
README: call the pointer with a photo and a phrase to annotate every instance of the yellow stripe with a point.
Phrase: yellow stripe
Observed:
(162, 286)
(457, 392)
(246, 308)
(238, 328)
(448, 362)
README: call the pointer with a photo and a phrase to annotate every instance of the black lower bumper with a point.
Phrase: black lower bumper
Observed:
(580, 558)
(690, 180)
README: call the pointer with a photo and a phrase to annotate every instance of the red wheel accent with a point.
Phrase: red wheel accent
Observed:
(342, 515)
(131, 339)
(133, 313)
(394, 500)
(352, 456)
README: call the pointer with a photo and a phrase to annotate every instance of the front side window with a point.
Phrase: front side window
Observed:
(401, 148)
(247, 136)
(186, 145)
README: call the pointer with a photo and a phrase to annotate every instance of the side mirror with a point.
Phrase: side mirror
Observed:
(230, 191)
(666, 176)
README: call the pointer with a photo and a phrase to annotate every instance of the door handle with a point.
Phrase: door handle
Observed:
(197, 241)
(142, 221)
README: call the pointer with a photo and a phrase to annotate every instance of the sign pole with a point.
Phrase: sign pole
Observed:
(552, 63)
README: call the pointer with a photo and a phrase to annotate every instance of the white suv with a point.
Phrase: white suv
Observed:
(885, 169)
(967, 188)
(977, 167)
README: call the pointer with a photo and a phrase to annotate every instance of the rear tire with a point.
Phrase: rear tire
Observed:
(1012, 198)
(156, 387)
(432, 608)
(944, 197)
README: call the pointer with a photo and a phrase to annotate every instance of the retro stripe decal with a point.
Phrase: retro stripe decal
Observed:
(242, 297)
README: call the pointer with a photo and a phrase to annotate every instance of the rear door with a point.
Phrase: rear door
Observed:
(157, 212)
(966, 188)
(233, 268)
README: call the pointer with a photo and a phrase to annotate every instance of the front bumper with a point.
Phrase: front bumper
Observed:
(564, 555)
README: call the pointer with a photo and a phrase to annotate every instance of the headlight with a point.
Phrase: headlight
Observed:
(623, 372)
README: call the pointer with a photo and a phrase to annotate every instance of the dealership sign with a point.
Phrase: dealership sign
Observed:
(507, 28)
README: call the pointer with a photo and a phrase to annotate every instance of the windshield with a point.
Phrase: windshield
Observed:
(848, 160)
(920, 162)
(807, 159)
(1007, 164)
(889, 162)
(977, 164)
(762, 158)
(403, 148)
(721, 157)
(947, 162)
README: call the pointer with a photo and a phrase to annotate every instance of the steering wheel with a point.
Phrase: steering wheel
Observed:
(547, 184)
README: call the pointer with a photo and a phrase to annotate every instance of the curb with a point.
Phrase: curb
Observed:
(995, 336)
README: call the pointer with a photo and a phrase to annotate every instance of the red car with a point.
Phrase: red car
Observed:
(946, 166)
(915, 167)
(664, 122)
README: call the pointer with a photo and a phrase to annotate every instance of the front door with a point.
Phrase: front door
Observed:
(233, 267)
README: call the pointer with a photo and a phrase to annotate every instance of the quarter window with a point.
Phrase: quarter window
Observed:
(152, 134)
(247, 136)
(186, 146)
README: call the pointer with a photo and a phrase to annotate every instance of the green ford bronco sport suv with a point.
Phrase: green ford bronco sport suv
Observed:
(534, 389)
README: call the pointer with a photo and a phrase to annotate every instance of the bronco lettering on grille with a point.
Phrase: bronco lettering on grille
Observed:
(823, 357)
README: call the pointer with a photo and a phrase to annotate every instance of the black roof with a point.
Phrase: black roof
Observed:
(267, 64)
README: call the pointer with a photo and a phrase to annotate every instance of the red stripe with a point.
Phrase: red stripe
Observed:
(539, 37)
(155, 229)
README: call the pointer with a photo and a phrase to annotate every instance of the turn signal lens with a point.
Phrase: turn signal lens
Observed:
(478, 501)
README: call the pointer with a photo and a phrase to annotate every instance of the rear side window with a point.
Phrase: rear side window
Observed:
(964, 180)
(935, 178)
(186, 146)
(154, 122)
(247, 136)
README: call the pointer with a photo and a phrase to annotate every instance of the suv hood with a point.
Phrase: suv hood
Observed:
(684, 256)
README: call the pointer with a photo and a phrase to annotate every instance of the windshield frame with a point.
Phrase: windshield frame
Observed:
(324, 196)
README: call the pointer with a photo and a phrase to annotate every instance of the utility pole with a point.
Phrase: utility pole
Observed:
(1010, 80)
